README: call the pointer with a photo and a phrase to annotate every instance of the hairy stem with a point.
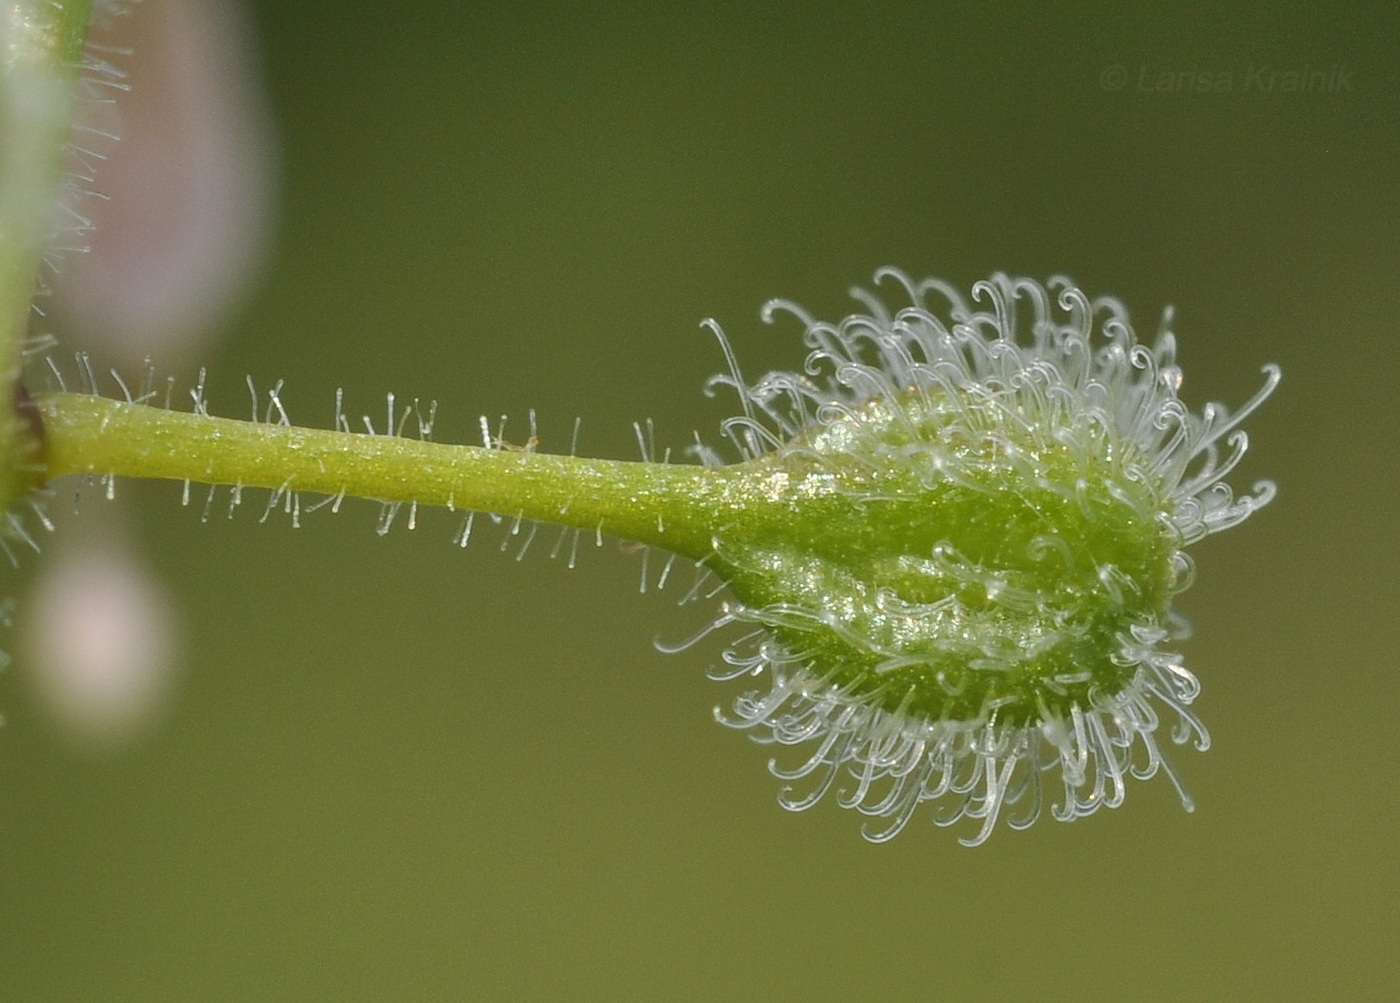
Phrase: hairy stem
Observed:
(665, 505)
(40, 50)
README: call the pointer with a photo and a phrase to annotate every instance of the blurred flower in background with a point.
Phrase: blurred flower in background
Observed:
(99, 634)
(174, 227)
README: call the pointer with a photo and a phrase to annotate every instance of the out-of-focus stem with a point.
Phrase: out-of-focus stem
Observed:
(40, 51)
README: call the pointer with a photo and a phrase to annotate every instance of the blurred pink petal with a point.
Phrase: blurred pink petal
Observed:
(98, 642)
(186, 186)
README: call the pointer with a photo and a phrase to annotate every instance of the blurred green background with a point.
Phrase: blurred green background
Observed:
(393, 769)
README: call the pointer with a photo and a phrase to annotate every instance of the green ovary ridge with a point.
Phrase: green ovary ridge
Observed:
(948, 560)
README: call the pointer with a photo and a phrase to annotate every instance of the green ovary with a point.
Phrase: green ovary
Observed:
(949, 571)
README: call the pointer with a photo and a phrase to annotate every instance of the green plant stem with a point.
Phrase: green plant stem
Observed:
(40, 50)
(40, 46)
(666, 505)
